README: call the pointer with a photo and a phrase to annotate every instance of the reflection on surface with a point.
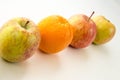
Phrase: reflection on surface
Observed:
(12, 71)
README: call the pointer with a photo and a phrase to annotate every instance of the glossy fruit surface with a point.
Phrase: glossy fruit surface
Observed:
(19, 39)
(84, 30)
(56, 34)
(105, 30)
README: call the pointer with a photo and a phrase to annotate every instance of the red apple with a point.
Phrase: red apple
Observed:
(84, 30)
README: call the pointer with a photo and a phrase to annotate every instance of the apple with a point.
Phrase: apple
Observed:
(105, 30)
(84, 30)
(19, 39)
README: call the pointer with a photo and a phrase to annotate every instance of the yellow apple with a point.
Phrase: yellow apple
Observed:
(105, 30)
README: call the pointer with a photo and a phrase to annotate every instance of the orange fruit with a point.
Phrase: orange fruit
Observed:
(56, 34)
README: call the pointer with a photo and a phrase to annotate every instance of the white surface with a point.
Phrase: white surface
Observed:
(92, 63)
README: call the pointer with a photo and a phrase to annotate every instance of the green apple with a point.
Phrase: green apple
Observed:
(105, 30)
(19, 39)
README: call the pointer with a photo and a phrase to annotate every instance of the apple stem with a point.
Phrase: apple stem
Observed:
(91, 15)
(26, 23)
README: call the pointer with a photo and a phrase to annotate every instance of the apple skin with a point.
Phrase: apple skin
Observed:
(84, 30)
(105, 30)
(19, 39)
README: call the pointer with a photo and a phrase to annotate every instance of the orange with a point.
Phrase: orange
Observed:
(56, 34)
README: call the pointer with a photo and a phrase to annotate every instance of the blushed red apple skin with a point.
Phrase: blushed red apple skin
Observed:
(18, 40)
(84, 30)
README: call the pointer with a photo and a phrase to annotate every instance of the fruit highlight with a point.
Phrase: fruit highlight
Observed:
(84, 30)
(105, 30)
(19, 39)
(56, 34)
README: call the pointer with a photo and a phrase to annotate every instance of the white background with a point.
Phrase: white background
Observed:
(92, 63)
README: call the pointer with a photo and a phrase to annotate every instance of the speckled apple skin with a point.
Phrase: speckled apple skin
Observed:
(17, 43)
(84, 31)
(105, 30)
